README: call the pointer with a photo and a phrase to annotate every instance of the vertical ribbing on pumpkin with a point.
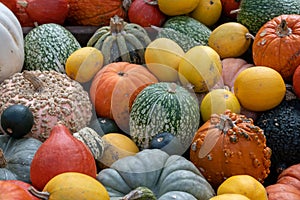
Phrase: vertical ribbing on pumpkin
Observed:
(3, 161)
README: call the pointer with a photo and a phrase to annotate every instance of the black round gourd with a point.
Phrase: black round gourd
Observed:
(17, 120)
(281, 126)
(168, 143)
(104, 125)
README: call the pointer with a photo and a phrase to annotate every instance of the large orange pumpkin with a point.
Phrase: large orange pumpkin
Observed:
(230, 144)
(112, 88)
(276, 45)
(94, 13)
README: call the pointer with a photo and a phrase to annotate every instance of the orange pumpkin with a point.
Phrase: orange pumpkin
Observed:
(287, 186)
(10, 190)
(112, 88)
(296, 81)
(276, 45)
(230, 144)
(94, 13)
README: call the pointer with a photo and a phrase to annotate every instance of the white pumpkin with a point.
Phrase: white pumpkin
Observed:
(12, 43)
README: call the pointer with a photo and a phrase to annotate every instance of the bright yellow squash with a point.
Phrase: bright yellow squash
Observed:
(83, 64)
(245, 185)
(72, 185)
(230, 197)
(200, 68)
(230, 39)
(177, 7)
(207, 12)
(259, 88)
(162, 57)
(217, 101)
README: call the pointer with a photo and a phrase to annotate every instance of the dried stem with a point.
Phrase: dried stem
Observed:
(35, 81)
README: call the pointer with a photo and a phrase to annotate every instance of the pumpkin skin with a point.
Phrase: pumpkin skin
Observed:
(276, 45)
(12, 50)
(94, 13)
(112, 88)
(23, 185)
(296, 81)
(17, 155)
(228, 6)
(167, 176)
(287, 186)
(29, 12)
(10, 190)
(145, 13)
(61, 152)
(230, 144)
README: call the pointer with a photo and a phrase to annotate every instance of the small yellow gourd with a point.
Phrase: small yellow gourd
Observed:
(177, 7)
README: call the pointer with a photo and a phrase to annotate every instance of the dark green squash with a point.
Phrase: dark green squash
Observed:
(103, 125)
(121, 41)
(17, 156)
(17, 120)
(281, 126)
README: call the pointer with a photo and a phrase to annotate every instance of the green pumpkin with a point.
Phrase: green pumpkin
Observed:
(121, 41)
(164, 107)
(16, 158)
(168, 177)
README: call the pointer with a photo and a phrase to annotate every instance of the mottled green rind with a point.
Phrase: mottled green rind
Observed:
(156, 110)
(48, 46)
(185, 31)
(254, 14)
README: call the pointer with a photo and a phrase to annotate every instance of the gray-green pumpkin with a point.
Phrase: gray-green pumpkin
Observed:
(48, 46)
(164, 107)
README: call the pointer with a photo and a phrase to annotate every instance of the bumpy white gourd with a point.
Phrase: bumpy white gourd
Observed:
(12, 43)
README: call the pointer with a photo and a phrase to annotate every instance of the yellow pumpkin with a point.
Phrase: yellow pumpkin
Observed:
(207, 12)
(177, 7)
(70, 186)
(245, 185)
(217, 101)
(116, 146)
(230, 39)
(201, 68)
(230, 197)
(162, 57)
(259, 88)
(84, 63)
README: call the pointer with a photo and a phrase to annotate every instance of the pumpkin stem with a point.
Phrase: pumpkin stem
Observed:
(126, 4)
(151, 2)
(22, 3)
(116, 25)
(39, 194)
(35, 81)
(235, 11)
(172, 88)
(3, 161)
(249, 36)
(283, 29)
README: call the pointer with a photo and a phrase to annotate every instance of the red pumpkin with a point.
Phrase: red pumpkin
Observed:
(29, 12)
(296, 81)
(112, 88)
(146, 13)
(94, 13)
(276, 45)
(287, 186)
(61, 152)
(230, 5)
(25, 186)
(11, 191)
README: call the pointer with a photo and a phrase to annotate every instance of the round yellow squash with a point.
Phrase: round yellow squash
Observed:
(177, 7)
(230, 197)
(200, 67)
(162, 57)
(245, 185)
(70, 186)
(217, 101)
(259, 88)
(84, 63)
(230, 39)
(207, 12)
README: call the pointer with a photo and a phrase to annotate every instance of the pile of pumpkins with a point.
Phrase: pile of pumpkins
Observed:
(162, 96)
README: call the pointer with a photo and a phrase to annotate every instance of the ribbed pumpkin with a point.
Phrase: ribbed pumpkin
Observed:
(276, 45)
(230, 144)
(164, 107)
(112, 88)
(94, 13)
(61, 152)
(121, 41)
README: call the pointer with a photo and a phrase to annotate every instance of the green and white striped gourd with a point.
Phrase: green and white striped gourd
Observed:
(121, 41)
(164, 107)
(48, 46)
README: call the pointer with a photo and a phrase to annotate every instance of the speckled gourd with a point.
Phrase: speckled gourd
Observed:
(51, 97)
